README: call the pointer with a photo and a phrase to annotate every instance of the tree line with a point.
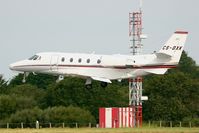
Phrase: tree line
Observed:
(172, 97)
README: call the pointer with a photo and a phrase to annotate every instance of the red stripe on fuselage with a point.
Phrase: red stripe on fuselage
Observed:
(114, 67)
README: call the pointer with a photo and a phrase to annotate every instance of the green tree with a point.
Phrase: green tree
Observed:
(7, 106)
(65, 93)
(39, 80)
(186, 65)
(171, 97)
(71, 91)
(190, 95)
(26, 90)
(27, 95)
(16, 80)
(24, 102)
(3, 85)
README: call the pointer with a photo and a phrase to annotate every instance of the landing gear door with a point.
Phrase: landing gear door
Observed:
(54, 63)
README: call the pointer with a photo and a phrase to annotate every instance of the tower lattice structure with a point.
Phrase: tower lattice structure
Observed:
(135, 84)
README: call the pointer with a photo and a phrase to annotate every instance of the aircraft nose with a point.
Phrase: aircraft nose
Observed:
(17, 66)
(12, 66)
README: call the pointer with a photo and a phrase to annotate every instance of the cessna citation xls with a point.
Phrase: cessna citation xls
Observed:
(105, 68)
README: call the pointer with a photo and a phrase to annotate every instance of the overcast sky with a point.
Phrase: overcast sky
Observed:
(31, 26)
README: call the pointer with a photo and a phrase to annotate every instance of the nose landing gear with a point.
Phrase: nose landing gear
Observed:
(24, 77)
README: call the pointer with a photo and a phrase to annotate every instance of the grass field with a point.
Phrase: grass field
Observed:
(99, 130)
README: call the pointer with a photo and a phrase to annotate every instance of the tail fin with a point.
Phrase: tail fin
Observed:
(174, 46)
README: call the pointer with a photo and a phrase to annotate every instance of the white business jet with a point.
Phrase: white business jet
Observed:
(105, 68)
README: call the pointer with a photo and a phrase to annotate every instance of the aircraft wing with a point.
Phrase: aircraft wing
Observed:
(102, 79)
(156, 71)
(139, 72)
(96, 75)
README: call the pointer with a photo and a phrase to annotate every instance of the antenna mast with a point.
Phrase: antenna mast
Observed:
(135, 31)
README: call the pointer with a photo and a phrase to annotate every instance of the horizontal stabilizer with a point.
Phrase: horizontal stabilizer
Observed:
(163, 56)
(102, 79)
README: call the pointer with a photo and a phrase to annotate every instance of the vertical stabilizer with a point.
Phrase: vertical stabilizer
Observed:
(174, 46)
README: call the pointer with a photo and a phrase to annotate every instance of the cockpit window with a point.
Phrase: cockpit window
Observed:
(39, 58)
(31, 58)
(35, 57)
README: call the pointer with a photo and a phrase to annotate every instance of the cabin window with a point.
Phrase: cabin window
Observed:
(88, 60)
(62, 59)
(79, 60)
(98, 61)
(71, 59)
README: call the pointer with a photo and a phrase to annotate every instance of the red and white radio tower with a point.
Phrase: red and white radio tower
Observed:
(135, 84)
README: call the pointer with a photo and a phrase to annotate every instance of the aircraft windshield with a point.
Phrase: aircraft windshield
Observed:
(35, 57)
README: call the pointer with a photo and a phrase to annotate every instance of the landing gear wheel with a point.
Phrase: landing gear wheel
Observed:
(104, 84)
(60, 78)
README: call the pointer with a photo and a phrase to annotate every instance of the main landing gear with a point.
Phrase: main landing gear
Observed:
(103, 84)
(60, 78)
(88, 84)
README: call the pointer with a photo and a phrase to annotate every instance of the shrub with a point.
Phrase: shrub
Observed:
(26, 116)
(69, 115)
(7, 106)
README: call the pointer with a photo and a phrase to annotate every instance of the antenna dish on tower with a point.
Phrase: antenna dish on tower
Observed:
(143, 36)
